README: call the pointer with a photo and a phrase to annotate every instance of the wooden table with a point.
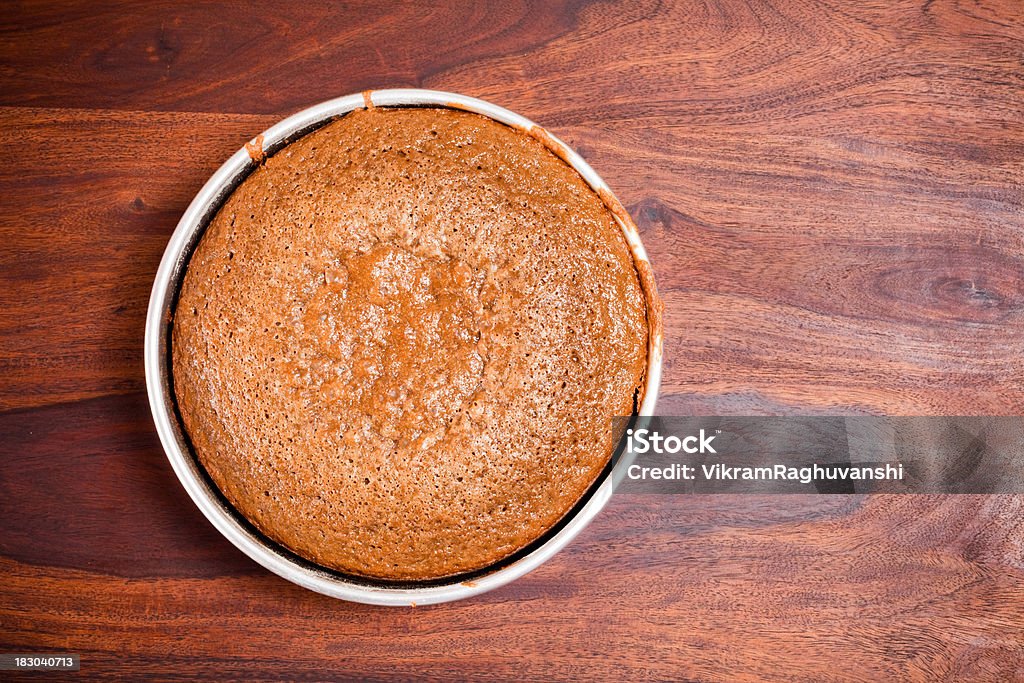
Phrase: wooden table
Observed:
(832, 196)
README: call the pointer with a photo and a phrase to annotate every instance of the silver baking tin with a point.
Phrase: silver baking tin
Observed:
(175, 442)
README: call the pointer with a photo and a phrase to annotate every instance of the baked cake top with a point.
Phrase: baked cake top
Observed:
(399, 344)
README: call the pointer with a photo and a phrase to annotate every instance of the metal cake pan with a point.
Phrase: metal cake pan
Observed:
(175, 442)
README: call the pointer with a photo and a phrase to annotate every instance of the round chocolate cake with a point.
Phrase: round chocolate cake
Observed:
(399, 345)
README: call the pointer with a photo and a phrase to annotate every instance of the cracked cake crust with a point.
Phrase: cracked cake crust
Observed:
(400, 342)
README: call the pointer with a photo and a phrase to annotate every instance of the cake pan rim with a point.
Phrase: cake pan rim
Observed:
(188, 232)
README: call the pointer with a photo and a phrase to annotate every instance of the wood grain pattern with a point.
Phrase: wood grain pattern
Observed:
(833, 198)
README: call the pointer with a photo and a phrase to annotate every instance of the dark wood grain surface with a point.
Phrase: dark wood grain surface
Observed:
(833, 197)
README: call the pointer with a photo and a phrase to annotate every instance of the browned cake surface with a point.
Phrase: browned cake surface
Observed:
(399, 344)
